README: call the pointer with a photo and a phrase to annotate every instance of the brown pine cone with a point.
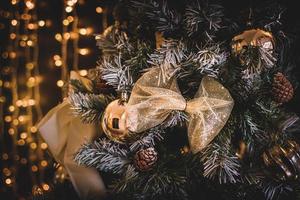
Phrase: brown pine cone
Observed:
(282, 90)
(145, 159)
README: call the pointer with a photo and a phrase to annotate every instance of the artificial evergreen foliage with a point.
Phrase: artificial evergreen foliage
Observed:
(197, 42)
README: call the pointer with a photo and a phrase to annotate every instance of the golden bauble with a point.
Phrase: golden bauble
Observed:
(253, 37)
(114, 121)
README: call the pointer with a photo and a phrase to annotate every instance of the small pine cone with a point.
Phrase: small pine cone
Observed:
(145, 159)
(282, 90)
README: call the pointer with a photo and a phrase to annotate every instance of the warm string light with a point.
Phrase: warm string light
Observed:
(70, 34)
(26, 104)
(24, 109)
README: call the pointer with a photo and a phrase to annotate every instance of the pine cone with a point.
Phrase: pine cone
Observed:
(282, 90)
(145, 159)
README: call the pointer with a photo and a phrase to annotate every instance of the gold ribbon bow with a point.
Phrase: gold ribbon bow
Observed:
(64, 134)
(152, 101)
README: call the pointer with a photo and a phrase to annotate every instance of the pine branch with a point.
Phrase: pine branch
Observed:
(169, 58)
(104, 155)
(220, 162)
(209, 59)
(89, 106)
(162, 184)
(202, 18)
(116, 73)
(273, 190)
(114, 41)
(167, 21)
(175, 118)
(256, 60)
(147, 140)
(78, 86)
(139, 58)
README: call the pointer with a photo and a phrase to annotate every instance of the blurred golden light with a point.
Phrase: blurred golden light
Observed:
(44, 146)
(19, 103)
(74, 35)
(33, 145)
(21, 118)
(67, 36)
(30, 65)
(25, 16)
(42, 23)
(1, 83)
(34, 168)
(12, 55)
(6, 171)
(2, 99)
(22, 43)
(83, 51)
(8, 119)
(23, 161)
(56, 57)
(5, 156)
(83, 72)
(12, 36)
(58, 37)
(48, 23)
(31, 82)
(31, 26)
(31, 102)
(89, 30)
(99, 10)
(8, 181)
(23, 135)
(11, 131)
(7, 84)
(60, 83)
(70, 3)
(58, 63)
(70, 18)
(82, 31)
(14, 2)
(66, 22)
(69, 9)
(46, 187)
(30, 43)
(24, 37)
(29, 4)
(11, 108)
(21, 142)
(24, 103)
(14, 22)
(44, 163)
(15, 122)
(33, 129)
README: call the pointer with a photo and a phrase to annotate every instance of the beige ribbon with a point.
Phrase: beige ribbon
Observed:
(152, 101)
(64, 134)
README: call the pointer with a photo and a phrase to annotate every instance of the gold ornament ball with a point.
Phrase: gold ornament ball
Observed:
(253, 37)
(114, 121)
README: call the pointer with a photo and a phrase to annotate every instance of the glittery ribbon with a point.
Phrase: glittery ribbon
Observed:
(152, 101)
(64, 134)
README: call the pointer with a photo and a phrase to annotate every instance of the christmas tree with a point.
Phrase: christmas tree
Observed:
(192, 102)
